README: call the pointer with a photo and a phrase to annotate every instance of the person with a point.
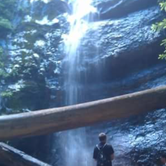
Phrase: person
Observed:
(163, 159)
(103, 152)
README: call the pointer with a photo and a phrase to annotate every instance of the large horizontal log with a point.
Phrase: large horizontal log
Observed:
(10, 156)
(58, 119)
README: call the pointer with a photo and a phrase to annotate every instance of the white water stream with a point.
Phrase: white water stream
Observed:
(74, 143)
(79, 20)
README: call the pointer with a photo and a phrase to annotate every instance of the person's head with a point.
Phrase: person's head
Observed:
(163, 159)
(102, 138)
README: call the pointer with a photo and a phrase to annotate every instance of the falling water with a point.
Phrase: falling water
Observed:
(79, 21)
(46, 1)
(74, 143)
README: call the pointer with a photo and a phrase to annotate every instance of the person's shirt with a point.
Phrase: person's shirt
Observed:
(107, 150)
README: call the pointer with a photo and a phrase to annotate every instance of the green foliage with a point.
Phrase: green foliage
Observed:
(5, 25)
(163, 56)
(7, 10)
(3, 59)
(6, 94)
(162, 5)
(1, 50)
(24, 68)
(160, 26)
(24, 82)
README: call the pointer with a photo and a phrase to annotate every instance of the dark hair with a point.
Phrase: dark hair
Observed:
(102, 137)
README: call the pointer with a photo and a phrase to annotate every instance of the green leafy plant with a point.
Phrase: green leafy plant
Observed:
(160, 26)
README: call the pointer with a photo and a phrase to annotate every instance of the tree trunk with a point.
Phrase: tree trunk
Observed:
(10, 156)
(58, 119)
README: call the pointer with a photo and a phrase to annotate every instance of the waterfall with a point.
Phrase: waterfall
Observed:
(79, 21)
(74, 143)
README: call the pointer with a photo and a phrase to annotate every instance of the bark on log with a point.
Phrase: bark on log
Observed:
(58, 119)
(10, 156)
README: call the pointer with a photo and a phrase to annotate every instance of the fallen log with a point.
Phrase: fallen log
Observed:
(58, 119)
(10, 156)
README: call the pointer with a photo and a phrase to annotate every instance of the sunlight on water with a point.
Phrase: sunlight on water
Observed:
(78, 25)
(46, 21)
(45, 1)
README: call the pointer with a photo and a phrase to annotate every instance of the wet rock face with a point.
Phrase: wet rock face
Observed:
(138, 141)
(122, 45)
(147, 138)
(51, 9)
(121, 8)
(35, 57)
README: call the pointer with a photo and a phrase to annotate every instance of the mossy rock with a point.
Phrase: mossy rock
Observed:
(31, 96)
